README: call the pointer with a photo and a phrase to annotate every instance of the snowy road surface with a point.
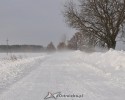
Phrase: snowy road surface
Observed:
(98, 76)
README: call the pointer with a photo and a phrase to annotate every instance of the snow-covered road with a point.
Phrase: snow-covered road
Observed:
(95, 76)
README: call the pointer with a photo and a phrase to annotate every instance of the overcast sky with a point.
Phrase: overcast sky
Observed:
(32, 21)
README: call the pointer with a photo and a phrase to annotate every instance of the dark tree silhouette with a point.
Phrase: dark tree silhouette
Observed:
(50, 47)
(21, 48)
(61, 46)
(101, 20)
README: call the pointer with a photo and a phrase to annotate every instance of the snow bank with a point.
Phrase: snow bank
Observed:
(110, 64)
(112, 59)
(98, 75)
(12, 68)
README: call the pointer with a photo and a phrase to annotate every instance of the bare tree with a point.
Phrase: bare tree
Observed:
(61, 46)
(73, 43)
(97, 19)
(51, 47)
(79, 41)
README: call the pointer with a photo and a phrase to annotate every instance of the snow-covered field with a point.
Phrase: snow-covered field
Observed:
(98, 75)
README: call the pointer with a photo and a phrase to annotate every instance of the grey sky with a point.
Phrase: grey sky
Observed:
(32, 21)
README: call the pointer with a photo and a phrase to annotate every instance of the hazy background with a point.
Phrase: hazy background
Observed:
(32, 21)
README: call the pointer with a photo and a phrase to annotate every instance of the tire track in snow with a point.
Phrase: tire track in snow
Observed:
(66, 74)
(17, 70)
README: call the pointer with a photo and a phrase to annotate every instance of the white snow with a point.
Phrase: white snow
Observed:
(98, 75)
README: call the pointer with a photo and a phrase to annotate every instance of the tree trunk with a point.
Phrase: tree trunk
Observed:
(112, 45)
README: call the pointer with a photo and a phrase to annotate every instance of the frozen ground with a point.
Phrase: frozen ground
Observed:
(99, 76)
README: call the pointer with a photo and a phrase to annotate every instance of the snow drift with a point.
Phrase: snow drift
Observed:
(98, 75)
(14, 67)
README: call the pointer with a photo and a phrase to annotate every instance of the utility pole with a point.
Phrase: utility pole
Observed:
(7, 46)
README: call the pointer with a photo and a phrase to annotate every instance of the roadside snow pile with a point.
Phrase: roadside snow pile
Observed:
(111, 60)
(108, 61)
(13, 68)
(98, 75)
(110, 64)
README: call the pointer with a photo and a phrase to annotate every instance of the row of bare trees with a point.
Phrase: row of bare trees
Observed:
(98, 21)
(51, 48)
